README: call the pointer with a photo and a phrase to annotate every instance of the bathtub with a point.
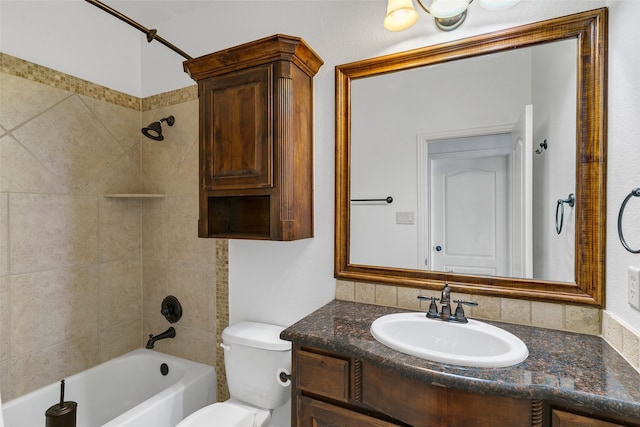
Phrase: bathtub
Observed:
(128, 391)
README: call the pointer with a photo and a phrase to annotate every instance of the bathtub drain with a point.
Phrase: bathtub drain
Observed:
(164, 369)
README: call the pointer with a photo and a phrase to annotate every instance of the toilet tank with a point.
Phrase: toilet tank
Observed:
(253, 356)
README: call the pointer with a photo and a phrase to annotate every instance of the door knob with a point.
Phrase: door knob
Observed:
(438, 248)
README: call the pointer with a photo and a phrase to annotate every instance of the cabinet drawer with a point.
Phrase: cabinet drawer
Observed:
(421, 404)
(323, 375)
(313, 413)
(567, 419)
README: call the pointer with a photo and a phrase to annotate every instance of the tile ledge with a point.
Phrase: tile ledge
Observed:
(624, 326)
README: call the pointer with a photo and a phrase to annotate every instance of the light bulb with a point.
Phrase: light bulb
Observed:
(400, 15)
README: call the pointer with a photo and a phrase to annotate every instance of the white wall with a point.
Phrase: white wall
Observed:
(554, 86)
(281, 282)
(74, 37)
(624, 153)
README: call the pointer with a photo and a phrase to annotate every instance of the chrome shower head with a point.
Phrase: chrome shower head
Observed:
(154, 130)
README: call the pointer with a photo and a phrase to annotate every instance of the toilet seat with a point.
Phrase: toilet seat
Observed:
(227, 414)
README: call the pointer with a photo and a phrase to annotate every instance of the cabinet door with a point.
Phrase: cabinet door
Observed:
(236, 132)
(567, 419)
(313, 413)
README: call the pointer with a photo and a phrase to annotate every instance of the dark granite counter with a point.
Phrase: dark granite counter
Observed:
(575, 369)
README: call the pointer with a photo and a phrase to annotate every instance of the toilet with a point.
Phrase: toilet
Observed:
(254, 357)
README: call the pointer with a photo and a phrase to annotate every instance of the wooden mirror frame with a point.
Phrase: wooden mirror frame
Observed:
(590, 31)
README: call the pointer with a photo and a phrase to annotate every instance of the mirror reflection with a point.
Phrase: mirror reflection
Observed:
(426, 156)
(476, 154)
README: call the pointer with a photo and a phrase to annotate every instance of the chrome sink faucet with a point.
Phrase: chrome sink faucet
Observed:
(445, 309)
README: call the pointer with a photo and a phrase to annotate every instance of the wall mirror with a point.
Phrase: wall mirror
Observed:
(480, 162)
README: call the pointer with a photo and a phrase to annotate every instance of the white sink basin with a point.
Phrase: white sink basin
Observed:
(474, 344)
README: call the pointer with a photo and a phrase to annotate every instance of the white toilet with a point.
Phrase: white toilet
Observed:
(254, 356)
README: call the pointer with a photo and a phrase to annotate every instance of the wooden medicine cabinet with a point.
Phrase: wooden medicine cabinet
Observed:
(256, 139)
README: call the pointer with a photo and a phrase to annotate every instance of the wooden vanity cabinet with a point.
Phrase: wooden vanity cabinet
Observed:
(565, 416)
(256, 139)
(336, 390)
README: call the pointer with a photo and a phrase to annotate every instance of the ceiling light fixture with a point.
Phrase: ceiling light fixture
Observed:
(448, 14)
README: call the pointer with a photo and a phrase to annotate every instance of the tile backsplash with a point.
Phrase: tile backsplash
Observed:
(584, 320)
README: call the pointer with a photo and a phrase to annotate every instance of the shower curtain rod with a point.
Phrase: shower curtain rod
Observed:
(151, 34)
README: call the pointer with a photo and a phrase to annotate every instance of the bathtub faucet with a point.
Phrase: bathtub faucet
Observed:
(169, 333)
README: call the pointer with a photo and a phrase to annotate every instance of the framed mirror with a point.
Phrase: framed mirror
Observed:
(480, 162)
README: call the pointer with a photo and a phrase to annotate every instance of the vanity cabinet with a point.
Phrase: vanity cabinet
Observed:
(336, 390)
(568, 419)
(256, 139)
(561, 416)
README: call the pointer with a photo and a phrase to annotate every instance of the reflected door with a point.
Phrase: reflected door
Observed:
(469, 215)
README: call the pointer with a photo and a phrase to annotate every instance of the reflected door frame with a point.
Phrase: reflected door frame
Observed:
(470, 212)
(423, 172)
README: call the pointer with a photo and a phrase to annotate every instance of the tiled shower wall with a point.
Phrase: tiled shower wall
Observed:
(82, 276)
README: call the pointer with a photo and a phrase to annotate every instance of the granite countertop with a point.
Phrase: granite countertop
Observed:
(575, 369)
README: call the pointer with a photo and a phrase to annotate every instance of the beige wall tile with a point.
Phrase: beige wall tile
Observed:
(408, 298)
(4, 233)
(123, 176)
(120, 228)
(585, 320)
(34, 99)
(194, 286)
(5, 321)
(365, 292)
(78, 150)
(622, 338)
(121, 122)
(5, 381)
(154, 235)
(631, 347)
(52, 231)
(612, 331)
(51, 307)
(182, 232)
(515, 311)
(178, 179)
(386, 295)
(345, 291)
(21, 172)
(120, 339)
(184, 182)
(155, 286)
(488, 308)
(547, 315)
(48, 365)
(161, 160)
(120, 292)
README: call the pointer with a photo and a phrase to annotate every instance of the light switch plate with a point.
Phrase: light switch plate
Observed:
(405, 218)
(634, 287)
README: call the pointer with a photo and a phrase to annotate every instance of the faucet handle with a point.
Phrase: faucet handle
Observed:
(468, 302)
(433, 308)
(459, 314)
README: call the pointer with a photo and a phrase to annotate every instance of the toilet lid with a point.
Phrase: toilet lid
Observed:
(220, 415)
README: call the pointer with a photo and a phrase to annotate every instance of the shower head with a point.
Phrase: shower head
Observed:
(154, 130)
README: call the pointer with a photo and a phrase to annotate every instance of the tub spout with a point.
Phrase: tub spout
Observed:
(169, 333)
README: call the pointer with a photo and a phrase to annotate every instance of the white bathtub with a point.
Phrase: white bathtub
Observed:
(128, 391)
